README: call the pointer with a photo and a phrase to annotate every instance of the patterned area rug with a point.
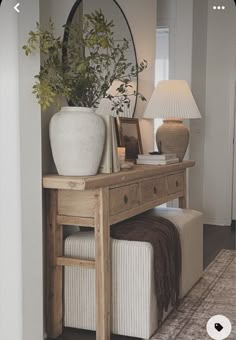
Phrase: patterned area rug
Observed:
(214, 294)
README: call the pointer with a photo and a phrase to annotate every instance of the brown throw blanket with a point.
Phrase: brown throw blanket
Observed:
(164, 237)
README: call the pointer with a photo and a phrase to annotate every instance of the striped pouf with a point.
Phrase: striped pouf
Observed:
(134, 308)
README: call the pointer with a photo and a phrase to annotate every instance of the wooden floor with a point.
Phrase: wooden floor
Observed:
(215, 239)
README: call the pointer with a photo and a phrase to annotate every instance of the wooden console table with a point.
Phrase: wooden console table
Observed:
(99, 201)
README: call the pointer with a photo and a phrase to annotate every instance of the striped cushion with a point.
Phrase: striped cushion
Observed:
(133, 298)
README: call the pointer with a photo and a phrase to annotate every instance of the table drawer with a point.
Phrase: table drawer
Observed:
(153, 189)
(124, 198)
(175, 183)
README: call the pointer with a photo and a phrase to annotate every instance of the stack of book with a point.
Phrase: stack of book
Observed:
(162, 159)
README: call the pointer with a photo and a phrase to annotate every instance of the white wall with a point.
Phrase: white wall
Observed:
(200, 14)
(220, 78)
(213, 79)
(10, 207)
(21, 228)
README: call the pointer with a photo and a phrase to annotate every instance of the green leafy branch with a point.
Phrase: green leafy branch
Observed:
(92, 62)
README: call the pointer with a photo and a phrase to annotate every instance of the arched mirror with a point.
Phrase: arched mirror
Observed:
(112, 11)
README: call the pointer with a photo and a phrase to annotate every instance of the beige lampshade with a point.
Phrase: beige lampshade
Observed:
(172, 99)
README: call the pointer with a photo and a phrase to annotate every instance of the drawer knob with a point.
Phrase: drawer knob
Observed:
(125, 199)
(155, 190)
(177, 184)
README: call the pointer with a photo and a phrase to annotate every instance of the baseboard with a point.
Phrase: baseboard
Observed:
(216, 221)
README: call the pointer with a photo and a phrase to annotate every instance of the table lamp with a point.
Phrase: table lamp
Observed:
(172, 101)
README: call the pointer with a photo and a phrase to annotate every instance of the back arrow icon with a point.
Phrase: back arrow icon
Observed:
(16, 7)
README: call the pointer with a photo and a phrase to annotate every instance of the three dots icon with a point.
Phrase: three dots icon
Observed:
(219, 7)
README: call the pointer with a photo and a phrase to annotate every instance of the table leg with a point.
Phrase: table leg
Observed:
(54, 272)
(102, 245)
(183, 200)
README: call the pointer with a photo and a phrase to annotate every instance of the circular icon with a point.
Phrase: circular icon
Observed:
(219, 327)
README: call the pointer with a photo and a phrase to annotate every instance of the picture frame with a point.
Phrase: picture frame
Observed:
(129, 136)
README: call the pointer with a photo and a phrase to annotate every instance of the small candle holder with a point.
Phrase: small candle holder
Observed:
(121, 154)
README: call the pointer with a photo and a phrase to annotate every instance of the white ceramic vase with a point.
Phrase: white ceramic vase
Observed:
(77, 136)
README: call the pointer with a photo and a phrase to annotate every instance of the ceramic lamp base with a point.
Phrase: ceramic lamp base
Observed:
(173, 137)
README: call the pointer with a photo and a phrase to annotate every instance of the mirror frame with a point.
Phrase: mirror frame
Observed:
(66, 36)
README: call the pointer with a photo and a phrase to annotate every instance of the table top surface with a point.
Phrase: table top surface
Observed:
(54, 181)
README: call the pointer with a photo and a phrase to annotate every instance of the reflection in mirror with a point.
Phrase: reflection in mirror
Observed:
(121, 29)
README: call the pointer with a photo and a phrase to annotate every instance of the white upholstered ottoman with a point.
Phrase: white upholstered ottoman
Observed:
(134, 309)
